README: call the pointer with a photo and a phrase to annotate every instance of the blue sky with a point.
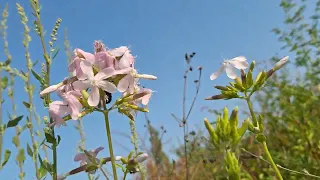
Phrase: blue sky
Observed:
(159, 34)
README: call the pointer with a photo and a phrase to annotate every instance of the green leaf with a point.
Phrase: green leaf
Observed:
(45, 165)
(7, 154)
(35, 63)
(15, 140)
(36, 75)
(59, 139)
(29, 150)
(4, 82)
(121, 167)
(43, 172)
(27, 105)
(50, 138)
(14, 122)
(21, 157)
(56, 53)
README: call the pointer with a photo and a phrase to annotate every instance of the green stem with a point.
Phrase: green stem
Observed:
(106, 118)
(265, 147)
(254, 118)
(48, 64)
(125, 175)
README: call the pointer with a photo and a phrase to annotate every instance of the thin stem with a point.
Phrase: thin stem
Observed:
(265, 147)
(125, 175)
(1, 132)
(254, 118)
(106, 118)
(184, 121)
(48, 63)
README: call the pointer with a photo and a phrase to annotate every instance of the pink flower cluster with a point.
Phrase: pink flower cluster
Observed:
(108, 70)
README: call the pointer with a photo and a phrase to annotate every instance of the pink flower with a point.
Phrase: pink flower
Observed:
(94, 82)
(71, 96)
(58, 109)
(229, 65)
(80, 56)
(128, 82)
(99, 46)
(143, 96)
(84, 159)
(104, 60)
(126, 59)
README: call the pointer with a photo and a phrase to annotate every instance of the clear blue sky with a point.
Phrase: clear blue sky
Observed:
(159, 33)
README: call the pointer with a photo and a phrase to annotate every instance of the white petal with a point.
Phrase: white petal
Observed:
(86, 67)
(230, 71)
(107, 86)
(239, 63)
(105, 73)
(239, 58)
(218, 73)
(80, 85)
(94, 96)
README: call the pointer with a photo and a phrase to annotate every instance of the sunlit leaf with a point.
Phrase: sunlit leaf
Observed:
(29, 150)
(7, 155)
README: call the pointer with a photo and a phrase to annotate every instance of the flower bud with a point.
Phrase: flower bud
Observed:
(238, 84)
(232, 166)
(211, 131)
(215, 97)
(252, 66)
(146, 76)
(142, 157)
(223, 88)
(281, 63)
(249, 79)
(243, 78)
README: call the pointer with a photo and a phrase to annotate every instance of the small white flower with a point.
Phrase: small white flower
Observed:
(239, 62)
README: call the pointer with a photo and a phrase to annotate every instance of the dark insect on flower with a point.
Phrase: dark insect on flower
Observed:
(108, 97)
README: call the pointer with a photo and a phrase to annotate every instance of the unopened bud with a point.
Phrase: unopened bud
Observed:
(146, 76)
(281, 63)
(215, 97)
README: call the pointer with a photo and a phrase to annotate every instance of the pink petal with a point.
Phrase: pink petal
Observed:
(239, 62)
(48, 90)
(86, 67)
(80, 157)
(97, 150)
(104, 60)
(230, 71)
(81, 85)
(87, 56)
(107, 86)
(119, 51)
(94, 96)
(123, 71)
(104, 74)
(218, 73)
(124, 83)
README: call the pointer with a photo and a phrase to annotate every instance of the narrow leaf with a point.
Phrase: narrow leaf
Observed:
(56, 53)
(29, 150)
(36, 75)
(7, 154)
(14, 122)
(27, 105)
